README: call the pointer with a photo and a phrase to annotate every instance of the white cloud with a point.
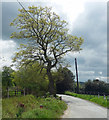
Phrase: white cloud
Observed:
(91, 64)
(86, 72)
(71, 9)
(68, 10)
(104, 78)
(89, 56)
(92, 59)
(8, 48)
(100, 73)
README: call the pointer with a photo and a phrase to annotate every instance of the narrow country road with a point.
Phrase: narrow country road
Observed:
(79, 108)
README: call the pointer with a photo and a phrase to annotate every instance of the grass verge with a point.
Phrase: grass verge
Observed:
(29, 107)
(93, 98)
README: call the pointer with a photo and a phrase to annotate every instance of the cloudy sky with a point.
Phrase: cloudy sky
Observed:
(87, 19)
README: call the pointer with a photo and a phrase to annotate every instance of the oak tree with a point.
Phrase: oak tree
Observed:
(49, 39)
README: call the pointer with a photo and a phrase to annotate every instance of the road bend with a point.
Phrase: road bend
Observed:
(79, 108)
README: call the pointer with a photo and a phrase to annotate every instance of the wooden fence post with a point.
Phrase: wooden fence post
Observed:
(8, 92)
(24, 91)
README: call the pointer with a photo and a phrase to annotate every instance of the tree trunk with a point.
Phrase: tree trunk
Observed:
(7, 92)
(51, 87)
(24, 92)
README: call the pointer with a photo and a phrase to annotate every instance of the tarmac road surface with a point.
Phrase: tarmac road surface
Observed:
(79, 108)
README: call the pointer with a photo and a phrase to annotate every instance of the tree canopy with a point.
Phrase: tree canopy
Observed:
(96, 86)
(6, 79)
(6, 76)
(49, 39)
(31, 80)
(64, 80)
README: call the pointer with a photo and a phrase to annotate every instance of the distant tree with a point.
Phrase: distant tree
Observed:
(64, 80)
(96, 86)
(6, 79)
(49, 39)
(88, 86)
(81, 87)
(100, 86)
(31, 80)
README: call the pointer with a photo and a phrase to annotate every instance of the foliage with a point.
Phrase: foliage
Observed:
(6, 76)
(64, 80)
(32, 79)
(96, 86)
(20, 111)
(6, 79)
(52, 108)
(14, 93)
(49, 39)
(93, 98)
(0, 76)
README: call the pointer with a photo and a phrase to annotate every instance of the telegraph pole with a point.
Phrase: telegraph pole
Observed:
(77, 89)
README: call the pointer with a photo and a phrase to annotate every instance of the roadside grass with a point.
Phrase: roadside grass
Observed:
(93, 98)
(52, 108)
(0, 108)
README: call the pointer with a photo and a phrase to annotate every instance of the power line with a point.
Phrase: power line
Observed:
(25, 10)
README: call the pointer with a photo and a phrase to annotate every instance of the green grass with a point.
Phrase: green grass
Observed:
(52, 108)
(93, 98)
(0, 109)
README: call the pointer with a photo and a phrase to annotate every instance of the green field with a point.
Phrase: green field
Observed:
(93, 98)
(52, 108)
